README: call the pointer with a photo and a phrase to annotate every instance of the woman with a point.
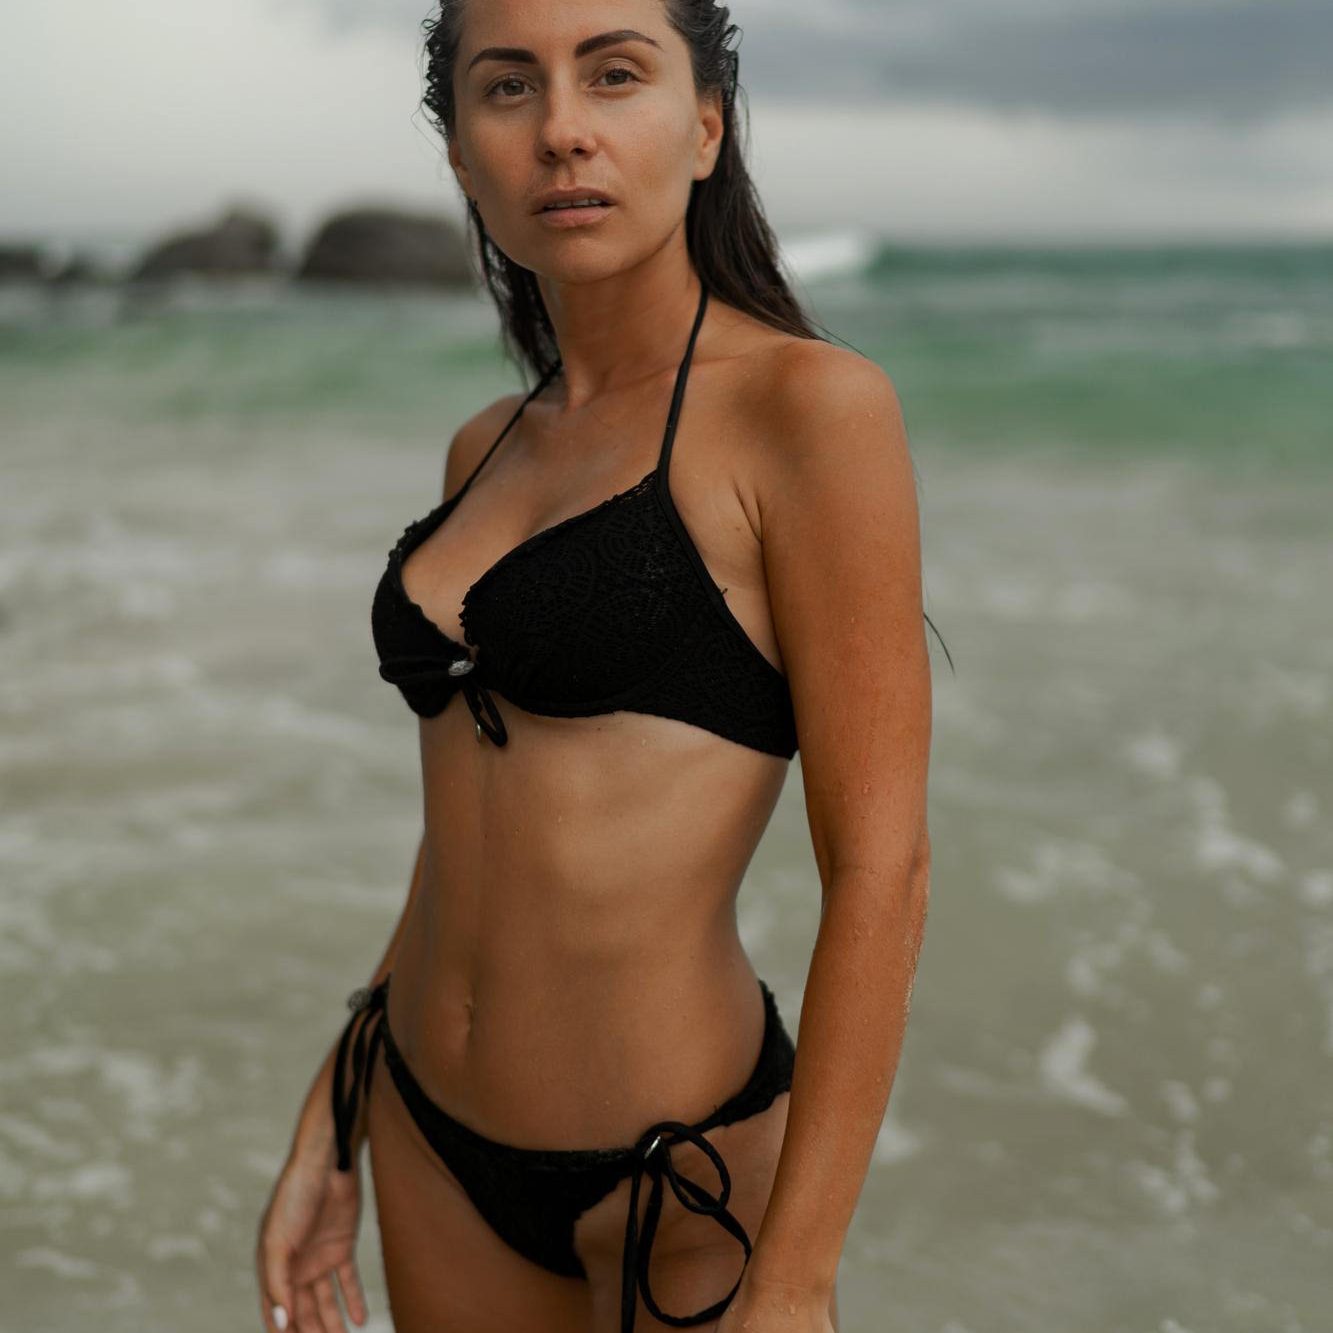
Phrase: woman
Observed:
(645, 601)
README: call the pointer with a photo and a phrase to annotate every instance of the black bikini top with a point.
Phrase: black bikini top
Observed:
(612, 609)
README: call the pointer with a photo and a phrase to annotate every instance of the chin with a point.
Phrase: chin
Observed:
(593, 265)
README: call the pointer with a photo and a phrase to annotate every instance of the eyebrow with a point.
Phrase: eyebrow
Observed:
(588, 45)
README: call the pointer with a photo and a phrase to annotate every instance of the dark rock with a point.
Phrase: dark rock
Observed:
(386, 245)
(242, 242)
(21, 262)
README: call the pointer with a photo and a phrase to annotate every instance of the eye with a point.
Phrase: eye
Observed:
(621, 69)
(514, 78)
(500, 83)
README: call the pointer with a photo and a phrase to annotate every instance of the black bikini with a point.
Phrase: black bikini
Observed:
(532, 1197)
(612, 609)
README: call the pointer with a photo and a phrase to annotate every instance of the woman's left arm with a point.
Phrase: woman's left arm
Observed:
(842, 560)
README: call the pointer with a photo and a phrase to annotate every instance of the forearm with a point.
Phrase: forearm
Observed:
(848, 1043)
(314, 1128)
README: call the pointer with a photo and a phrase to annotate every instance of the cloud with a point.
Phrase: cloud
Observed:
(119, 120)
(1225, 60)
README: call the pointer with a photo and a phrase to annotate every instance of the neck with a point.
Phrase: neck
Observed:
(619, 331)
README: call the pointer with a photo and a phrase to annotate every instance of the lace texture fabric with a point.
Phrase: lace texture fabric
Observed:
(609, 613)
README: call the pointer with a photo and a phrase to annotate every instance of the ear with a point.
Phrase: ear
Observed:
(711, 134)
(460, 171)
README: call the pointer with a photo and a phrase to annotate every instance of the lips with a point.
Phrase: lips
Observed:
(592, 203)
(552, 199)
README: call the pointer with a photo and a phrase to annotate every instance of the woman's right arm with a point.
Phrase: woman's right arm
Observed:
(313, 1137)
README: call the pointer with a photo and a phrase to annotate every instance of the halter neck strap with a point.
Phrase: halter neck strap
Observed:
(678, 394)
(550, 374)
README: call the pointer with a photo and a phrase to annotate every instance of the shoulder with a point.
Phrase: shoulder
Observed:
(824, 399)
(471, 440)
(823, 416)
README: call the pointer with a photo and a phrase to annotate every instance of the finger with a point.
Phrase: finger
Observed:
(273, 1314)
(328, 1305)
(307, 1312)
(354, 1296)
(275, 1286)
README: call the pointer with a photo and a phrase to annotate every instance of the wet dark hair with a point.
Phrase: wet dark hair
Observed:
(731, 245)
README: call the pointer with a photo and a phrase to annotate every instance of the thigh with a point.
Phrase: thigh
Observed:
(445, 1268)
(694, 1261)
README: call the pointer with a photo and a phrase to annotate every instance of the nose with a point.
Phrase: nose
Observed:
(566, 124)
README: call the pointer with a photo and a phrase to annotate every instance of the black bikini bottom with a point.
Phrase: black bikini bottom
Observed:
(532, 1197)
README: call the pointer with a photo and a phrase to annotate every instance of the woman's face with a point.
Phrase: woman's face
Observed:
(622, 119)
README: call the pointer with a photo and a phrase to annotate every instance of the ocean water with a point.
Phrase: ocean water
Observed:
(1114, 1110)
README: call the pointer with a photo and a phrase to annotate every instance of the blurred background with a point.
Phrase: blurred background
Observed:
(1091, 242)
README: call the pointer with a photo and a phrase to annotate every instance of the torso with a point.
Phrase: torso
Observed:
(572, 969)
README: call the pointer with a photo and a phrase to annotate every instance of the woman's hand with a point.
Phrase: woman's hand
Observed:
(766, 1307)
(307, 1239)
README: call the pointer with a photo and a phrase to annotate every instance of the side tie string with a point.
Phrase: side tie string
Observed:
(365, 1003)
(652, 1156)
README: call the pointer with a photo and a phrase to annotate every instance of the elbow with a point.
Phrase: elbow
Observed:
(892, 885)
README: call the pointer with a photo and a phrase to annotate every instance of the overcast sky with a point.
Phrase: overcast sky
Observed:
(920, 119)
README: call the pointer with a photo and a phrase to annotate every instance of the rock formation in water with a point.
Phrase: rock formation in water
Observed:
(242, 242)
(388, 245)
